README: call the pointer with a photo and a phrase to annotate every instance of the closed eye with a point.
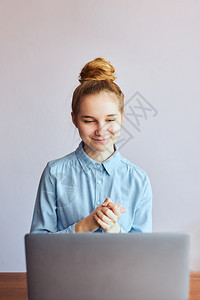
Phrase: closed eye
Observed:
(88, 121)
(92, 121)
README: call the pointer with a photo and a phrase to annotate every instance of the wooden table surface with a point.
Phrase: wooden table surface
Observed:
(13, 286)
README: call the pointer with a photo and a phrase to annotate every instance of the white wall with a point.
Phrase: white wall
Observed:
(155, 47)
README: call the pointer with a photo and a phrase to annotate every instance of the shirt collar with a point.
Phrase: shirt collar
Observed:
(88, 163)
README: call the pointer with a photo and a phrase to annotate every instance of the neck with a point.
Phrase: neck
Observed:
(97, 155)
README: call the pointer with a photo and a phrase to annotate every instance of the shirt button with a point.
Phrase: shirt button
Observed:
(98, 166)
(98, 202)
(99, 181)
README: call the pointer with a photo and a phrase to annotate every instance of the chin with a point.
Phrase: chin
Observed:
(100, 147)
(104, 148)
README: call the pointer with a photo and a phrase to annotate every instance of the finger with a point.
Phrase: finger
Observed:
(104, 217)
(103, 225)
(107, 200)
(115, 208)
(109, 213)
(122, 209)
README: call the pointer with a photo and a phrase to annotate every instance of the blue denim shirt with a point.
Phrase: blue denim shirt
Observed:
(72, 187)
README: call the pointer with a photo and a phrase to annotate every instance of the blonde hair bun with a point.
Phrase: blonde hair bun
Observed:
(97, 69)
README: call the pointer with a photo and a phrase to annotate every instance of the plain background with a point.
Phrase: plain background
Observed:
(155, 48)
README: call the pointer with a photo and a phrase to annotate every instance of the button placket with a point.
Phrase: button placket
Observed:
(99, 182)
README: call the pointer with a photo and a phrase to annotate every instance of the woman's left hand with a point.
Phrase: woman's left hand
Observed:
(108, 216)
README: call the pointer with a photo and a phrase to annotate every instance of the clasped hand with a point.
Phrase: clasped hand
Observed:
(104, 216)
(107, 216)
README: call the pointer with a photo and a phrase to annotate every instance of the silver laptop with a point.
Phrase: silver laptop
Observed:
(98, 266)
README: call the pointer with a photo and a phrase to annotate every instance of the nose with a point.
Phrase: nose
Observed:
(101, 129)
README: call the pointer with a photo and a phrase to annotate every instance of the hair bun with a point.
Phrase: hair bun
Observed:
(97, 69)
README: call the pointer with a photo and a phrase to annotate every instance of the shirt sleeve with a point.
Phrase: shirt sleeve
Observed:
(45, 216)
(142, 221)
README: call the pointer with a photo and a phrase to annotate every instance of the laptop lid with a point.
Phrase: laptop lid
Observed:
(94, 266)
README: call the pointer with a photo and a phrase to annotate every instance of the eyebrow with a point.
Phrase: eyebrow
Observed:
(111, 115)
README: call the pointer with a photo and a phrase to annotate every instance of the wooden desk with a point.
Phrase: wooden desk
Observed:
(13, 286)
(194, 286)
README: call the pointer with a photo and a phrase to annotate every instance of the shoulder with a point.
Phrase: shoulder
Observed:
(132, 168)
(137, 177)
(60, 164)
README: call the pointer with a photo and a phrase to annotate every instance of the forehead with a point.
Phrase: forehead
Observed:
(99, 104)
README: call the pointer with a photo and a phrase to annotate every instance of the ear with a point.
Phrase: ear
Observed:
(122, 117)
(73, 118)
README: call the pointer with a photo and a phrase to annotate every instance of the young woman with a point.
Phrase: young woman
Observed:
(94, 188)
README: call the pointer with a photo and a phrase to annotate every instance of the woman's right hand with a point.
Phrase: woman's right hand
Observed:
(89, 223)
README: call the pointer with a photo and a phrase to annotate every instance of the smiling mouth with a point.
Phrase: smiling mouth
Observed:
(100, 141)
